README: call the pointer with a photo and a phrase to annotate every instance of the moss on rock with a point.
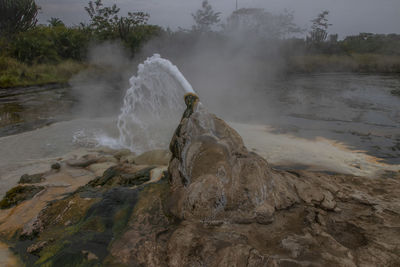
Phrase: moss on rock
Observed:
(31, 179)
(19, 194)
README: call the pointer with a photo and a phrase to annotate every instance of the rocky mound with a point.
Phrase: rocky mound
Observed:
(217, 205)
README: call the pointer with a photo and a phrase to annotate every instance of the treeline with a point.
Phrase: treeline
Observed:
(27, 49)
(34, 54)
(56, 42)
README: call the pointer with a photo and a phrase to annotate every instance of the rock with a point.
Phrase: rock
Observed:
(108, 159)
(214, 176)
(118, 175)
(32, 228)
(328, 203)
(19, 194)
(136, 178)
(81, 163)
(123, 152)
(108, 175)
(100, 168)
(154, 157)
(55, 166)
(36, 248)
(128, 159)
(31, 179)
(89, 255)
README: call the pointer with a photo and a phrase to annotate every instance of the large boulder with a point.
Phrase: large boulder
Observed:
(215, 178)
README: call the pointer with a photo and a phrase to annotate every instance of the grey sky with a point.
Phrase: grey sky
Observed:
(347, 16)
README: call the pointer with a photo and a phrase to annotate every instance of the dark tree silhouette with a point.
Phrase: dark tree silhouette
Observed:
(17, 16)
(319, 33)
(106, 23)
(55, 22)
(205, 17)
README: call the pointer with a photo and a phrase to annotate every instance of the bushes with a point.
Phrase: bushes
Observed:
(386, 44)
(45, 44)
(17, 16)
(14, 73)
(49, 45)
(363, 63)
(141, 34)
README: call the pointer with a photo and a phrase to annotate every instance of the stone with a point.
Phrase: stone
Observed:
(89, 255)
(123, 152)
(36, 248)
(154, 157)
(82, 163)
(55, 166)
(31, 179)
(19, 194)
(108, 158)
(328, 203)
(128, 159)
(214, 176)
(99, 168)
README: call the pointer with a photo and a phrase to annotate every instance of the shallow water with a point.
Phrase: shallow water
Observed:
(360, 111)
(25, 109)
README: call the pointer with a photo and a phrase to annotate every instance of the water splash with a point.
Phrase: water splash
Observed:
(152, 106)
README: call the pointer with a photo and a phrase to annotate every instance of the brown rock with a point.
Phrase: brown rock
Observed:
(214, 177)
(153, 157)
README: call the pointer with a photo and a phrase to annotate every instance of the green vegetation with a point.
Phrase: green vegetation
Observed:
(17, 16)
(363, 63)
(33, 54)
(14, 73)
(53, 53)
(205, 18)
(19, 194)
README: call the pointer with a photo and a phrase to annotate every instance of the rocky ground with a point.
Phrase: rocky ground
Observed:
(208, 202)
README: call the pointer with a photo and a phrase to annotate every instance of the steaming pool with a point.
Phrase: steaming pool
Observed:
(329, 122)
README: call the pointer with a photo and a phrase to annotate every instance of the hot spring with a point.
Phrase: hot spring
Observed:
(295, 128)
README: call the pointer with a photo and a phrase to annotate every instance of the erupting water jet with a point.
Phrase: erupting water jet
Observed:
(151, 107)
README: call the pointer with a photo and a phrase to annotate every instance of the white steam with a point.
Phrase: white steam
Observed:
(152, 106)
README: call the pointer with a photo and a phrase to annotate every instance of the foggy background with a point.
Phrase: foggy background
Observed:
(347, 16)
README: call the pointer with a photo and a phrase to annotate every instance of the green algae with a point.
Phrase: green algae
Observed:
(31, 179)
(19, 194)
(89, 220)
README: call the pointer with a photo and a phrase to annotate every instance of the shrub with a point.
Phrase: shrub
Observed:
(17, 16)
(14, 73)
(141, 34)
(50, 44)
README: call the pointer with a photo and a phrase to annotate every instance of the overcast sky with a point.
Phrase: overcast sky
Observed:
(347, 16)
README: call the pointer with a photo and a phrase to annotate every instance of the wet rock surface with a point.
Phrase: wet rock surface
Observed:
(218, 204)
(31, 179)
(19, 194)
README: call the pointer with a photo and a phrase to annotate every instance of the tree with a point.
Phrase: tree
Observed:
(205, 18)
(106, 24)
(319, 33)
(55, 22)
(17, 16)
(256, 21)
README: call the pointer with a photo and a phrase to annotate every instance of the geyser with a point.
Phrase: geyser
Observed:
(152, 106)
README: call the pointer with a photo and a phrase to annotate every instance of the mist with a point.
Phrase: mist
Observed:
(348, 17)
(251, 76)
(231, 74)
(100, 89)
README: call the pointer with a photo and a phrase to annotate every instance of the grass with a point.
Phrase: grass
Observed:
(365, 63)
(17, 74)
